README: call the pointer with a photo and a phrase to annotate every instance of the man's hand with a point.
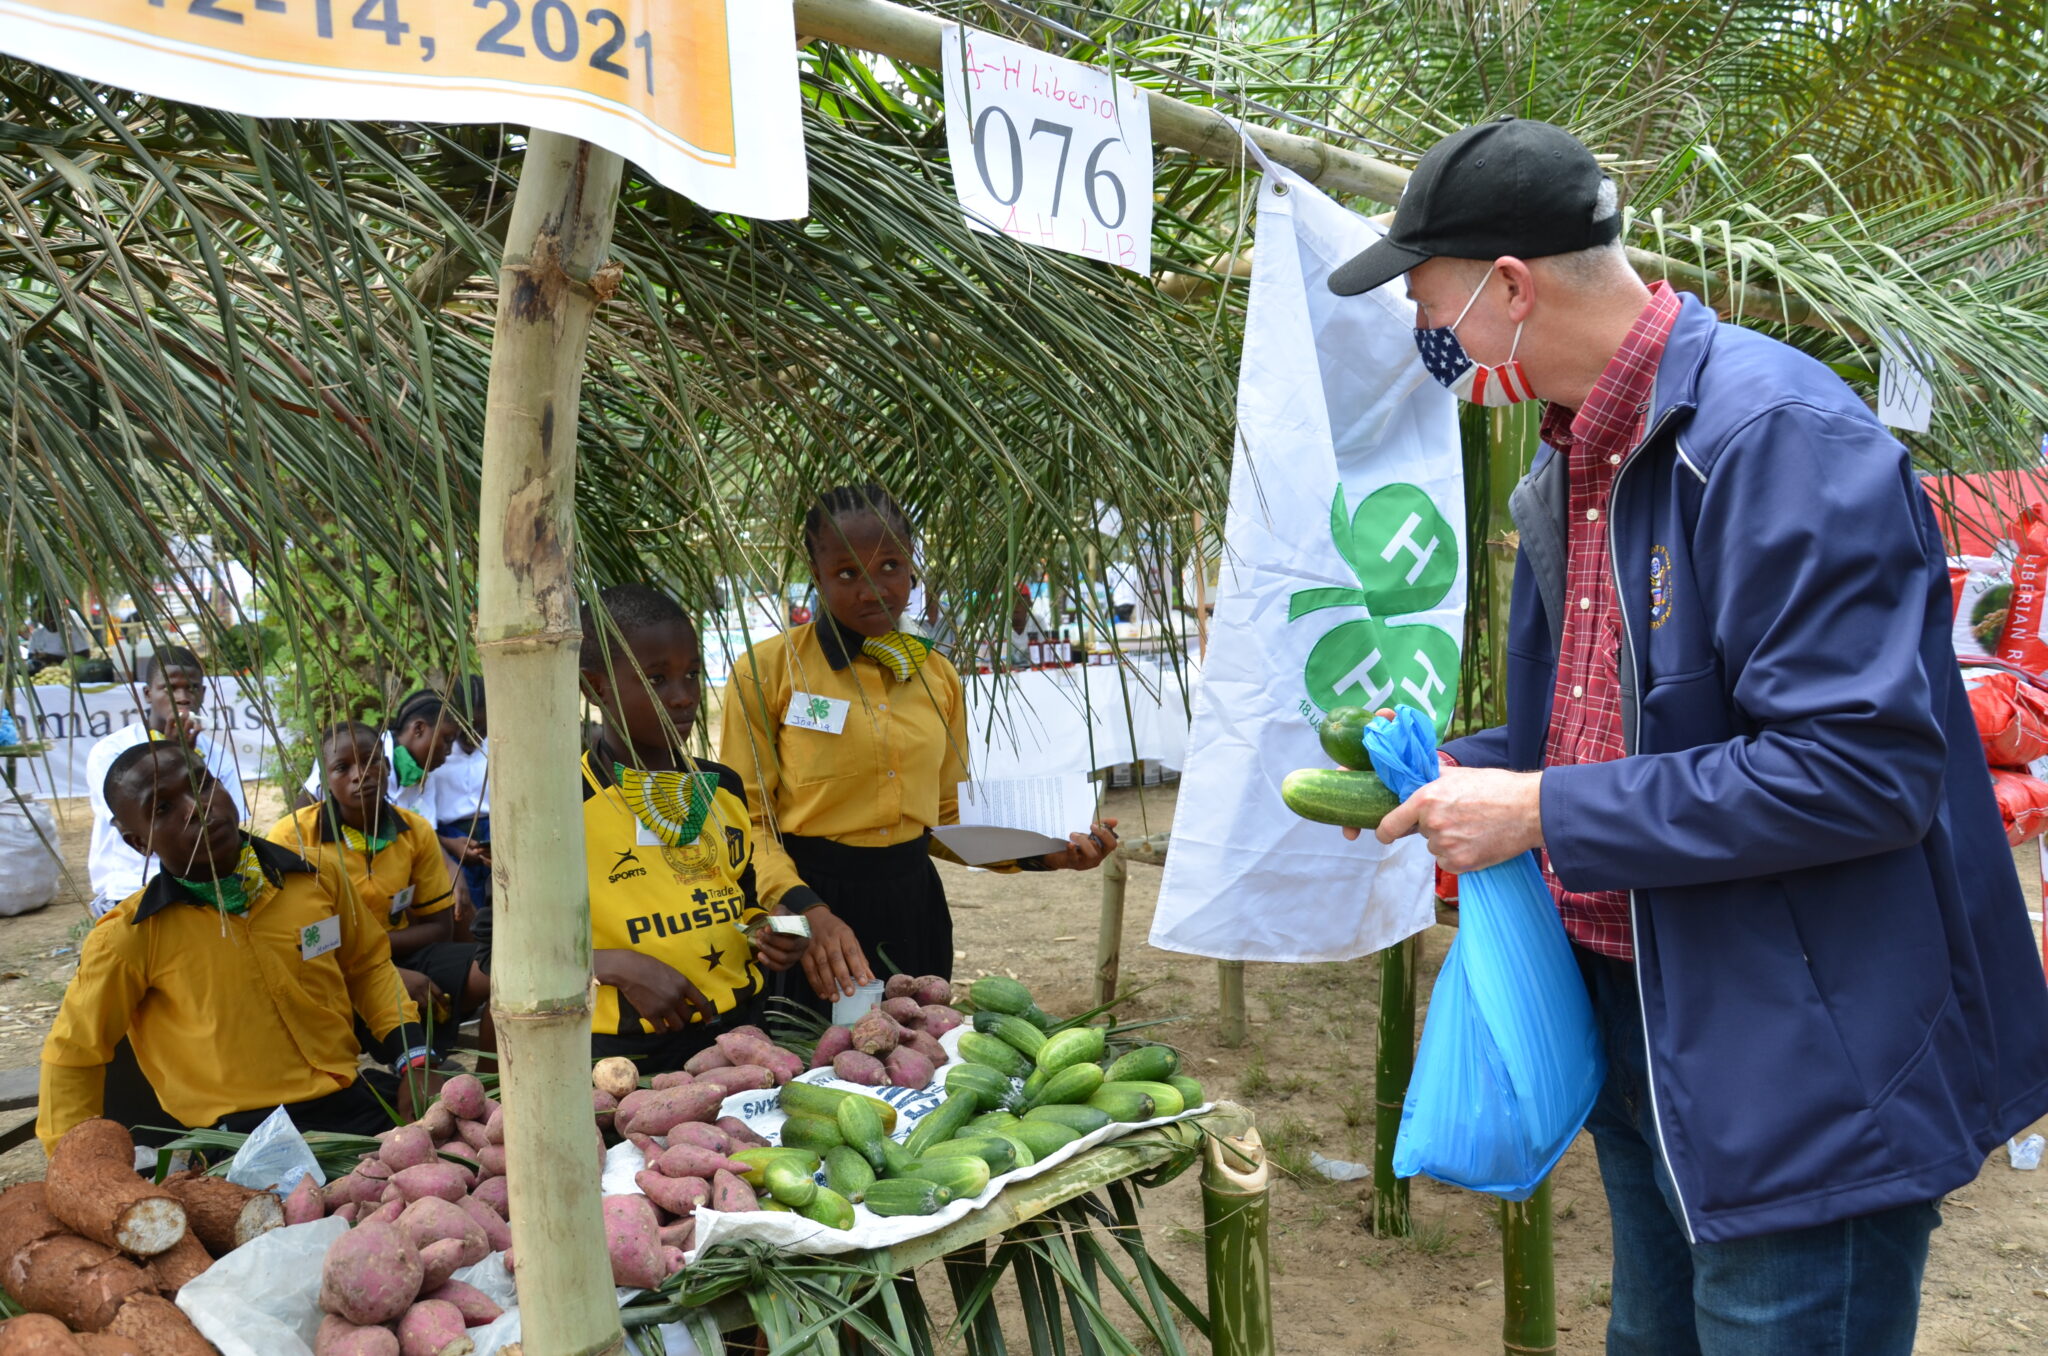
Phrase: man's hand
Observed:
(1471, 817)
(422, 991)
(1089, 849)
(417, 1089)
(465, 850)
(834, 962)
(658, 991)
(778, 951)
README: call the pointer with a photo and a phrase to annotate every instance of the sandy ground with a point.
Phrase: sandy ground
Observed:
(1306, 1071)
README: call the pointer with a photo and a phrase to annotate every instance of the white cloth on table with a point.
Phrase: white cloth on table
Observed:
(117, 870)
(1045, 722)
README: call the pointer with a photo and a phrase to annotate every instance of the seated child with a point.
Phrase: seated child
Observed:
(676, 929)
(237, 973)
(392, 859)
(173, 694)
(417, 742)
(462, 800)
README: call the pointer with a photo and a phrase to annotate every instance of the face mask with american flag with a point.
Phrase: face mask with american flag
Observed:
(1448, 362)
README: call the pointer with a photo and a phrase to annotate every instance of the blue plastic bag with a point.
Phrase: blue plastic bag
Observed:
(1510, 1060)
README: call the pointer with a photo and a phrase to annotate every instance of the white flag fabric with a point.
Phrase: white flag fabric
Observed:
(1343, 585)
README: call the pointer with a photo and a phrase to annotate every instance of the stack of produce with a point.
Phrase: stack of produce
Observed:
(896, 1044)
(1350, 794)
(2011, 711)
(94, 1252)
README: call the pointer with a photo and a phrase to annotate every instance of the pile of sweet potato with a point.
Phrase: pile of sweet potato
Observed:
(94, 1251)
(896, 1044)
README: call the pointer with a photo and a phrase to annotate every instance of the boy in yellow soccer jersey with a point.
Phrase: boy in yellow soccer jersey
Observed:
(679, 939)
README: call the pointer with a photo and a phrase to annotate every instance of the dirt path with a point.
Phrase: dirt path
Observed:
(1306, 1071)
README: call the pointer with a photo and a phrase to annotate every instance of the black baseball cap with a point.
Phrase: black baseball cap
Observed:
(1512, 186)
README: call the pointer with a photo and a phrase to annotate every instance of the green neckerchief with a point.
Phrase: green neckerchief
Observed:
(672, 805)
(363, 842)
(900, 652)
(410, 773)
(236, 890)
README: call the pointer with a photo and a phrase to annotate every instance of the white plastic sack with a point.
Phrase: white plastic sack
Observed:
(29, 867)
(263, 1299)
(1343, 585)
(275, 1156)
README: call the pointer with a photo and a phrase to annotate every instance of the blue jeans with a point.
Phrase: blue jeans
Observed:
(1851, 1288)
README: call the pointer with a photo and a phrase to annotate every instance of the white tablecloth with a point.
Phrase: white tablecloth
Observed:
(1048, 721)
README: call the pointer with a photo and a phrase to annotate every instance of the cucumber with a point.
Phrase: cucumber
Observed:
(1191, 1094)
(942, 1122)
(1043, 1138)
(1026, 1155)
(862, 1129)
(961, 1174)
(1166, 1098)
(1028, 1095)
(789, 1183)
(757, 1161)
(1015, 1032)
(1356, 800)
(1001, 1056)
(990, 1123)
(810, 1099)
(1343, 737)
(998, 1153)
(989, 1087)
(1122, 1102)
(1082, 1120)
(1077, 1045)
(907, 1196)
(847, 1172)
(1075, 1084)
(829, 1208)
(816, 1133)
(1147, 1063)
(896, 1159)
(994, 993)
(769, 1203)
(1039, 1018)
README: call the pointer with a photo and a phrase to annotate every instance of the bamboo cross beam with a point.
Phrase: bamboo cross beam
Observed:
(907, 35)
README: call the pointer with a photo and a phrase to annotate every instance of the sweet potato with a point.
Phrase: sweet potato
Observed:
(876, 1033)
(339, 1337)
(835, 1040)
(682, 1234)
(730, 1193)
(431, 1179)
(373, 1168)
(348, 1189)
(677, 1195)
(492, 1161)
(742, 1135)
(633, 1240)
(784, 1064)
(495, 1192)
(907, 1068)
(629, 1108)
(433, 1220)
(473, 1134)
(672, 1106)
(898, 986)
(226, 1216)
(92, 1185)
(75, 1279)
(925, 1045)
(371, 1275)
(705, 1060)
(904, 1011)
(388, 1212)
(747, 1029)
(159, 1327)
(440, 1122)
(475, 1306)
(171, 1268)
(497, 1233)
(304, 1204)
(738, 1078)
(671, 1261)
(855, 1067)
(674, 1078)
(702, 1135)
(37, 1335)
(433, 1328)
(604, 1107)
(932, 991)
(616, 1076)
(439, 1260)
(408, 1147)
(494, 1125)
(691, 1160)
(939, 1019)
(465, 1097)
(109, 1343)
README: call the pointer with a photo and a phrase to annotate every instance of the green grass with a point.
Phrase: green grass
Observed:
(1288, 1144)
(1434, 1238)
(1356, 1107)
(1254, 1081)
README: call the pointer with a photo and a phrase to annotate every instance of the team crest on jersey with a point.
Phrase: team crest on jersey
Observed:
(735, 847)
(1660, 586)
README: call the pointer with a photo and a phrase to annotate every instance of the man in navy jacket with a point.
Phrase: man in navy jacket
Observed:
(1737, 733)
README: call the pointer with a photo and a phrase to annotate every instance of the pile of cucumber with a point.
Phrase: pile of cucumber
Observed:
(1016, 1094)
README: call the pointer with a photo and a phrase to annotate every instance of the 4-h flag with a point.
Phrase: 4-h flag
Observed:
(1343, 585)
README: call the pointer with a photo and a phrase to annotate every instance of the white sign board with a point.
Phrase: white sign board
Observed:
(1905, 398)
(702, 94)
(72, 720)
(1049, 151)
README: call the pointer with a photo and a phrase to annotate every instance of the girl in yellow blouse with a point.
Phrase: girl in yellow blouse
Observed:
(851, 735)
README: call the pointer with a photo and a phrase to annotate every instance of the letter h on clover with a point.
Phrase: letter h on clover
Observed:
(1406, 559)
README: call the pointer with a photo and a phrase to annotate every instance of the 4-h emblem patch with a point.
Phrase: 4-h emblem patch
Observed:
(819, 709)
(1660, 586)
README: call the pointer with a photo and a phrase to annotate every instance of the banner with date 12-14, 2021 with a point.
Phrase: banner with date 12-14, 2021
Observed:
(701, 94)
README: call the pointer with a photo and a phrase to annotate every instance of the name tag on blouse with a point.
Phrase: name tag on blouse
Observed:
(827, 715)
(317, 939)
(402, 901)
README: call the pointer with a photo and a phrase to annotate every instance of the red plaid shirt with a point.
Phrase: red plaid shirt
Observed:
(1585, 713)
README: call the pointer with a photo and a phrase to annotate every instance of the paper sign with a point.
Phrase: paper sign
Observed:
(1047, 150)
(317, 939)
(1905, 398)
(658, 81)
(1001, 821)
(808, 711)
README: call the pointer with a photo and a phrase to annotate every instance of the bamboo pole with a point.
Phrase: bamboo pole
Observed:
(1528, 1324)
(1109, 935)
(904, 34)
(1390, 1085)
(1231, 1027)
(553, 277)
(1236, 1186)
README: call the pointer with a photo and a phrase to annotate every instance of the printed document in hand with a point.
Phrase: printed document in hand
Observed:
(1001, 821)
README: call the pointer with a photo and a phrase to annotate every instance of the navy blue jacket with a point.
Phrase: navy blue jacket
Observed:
(1844, 1005)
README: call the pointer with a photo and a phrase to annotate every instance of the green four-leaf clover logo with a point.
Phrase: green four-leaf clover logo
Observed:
(820, 709)
(1406, 559)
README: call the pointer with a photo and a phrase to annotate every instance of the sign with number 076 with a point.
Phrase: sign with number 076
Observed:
(654, 80)
(1049, 151)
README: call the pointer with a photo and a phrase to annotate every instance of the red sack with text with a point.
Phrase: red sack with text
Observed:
(2022, 803)
(2011, 715)
(2023, 644)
